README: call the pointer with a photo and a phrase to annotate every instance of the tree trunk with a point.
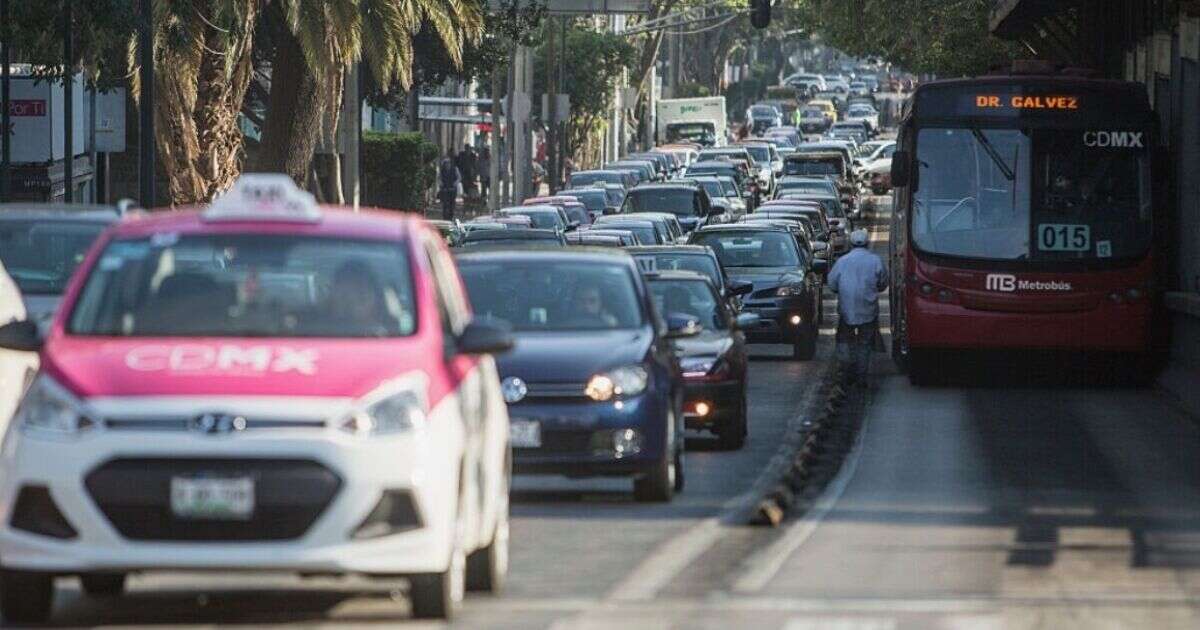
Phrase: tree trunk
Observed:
(200, 89)
(295, 111)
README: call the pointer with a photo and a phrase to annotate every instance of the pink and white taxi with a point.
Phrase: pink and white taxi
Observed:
(262, 384)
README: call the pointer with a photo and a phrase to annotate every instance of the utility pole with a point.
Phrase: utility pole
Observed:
(561, 128)
(551, 112)
(5, 102)
(146, 103)
(494, 164)
(68, 104)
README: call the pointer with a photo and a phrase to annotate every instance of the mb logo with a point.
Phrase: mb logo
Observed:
(1001, 282)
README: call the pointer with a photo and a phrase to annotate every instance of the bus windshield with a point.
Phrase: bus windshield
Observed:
(1039, 195)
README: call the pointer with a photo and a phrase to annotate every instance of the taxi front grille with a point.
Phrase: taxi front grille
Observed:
(135, 495)
(188, 424)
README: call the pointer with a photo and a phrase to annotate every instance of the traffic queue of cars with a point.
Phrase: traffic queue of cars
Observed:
(266, 383)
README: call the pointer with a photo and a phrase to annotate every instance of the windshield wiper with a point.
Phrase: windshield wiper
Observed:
(992, 153)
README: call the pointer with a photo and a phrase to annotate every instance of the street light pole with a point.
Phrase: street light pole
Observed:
(146, 103)
(68, 104)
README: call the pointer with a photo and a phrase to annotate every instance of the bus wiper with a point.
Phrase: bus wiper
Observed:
(992, 153)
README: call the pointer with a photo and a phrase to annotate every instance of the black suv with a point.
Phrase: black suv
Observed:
(787, 280)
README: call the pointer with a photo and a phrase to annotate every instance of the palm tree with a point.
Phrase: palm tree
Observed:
(314, 42)
(202, 56)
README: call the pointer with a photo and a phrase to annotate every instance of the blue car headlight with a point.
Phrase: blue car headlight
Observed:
(630, 380)
(790, 290)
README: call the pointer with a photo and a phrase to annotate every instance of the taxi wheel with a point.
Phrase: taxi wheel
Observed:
(438, 595)
(487, 567)
(679, 478)
(26, 597)
(103, 584)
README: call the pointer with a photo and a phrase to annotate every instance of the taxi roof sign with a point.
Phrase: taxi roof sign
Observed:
(264, 197)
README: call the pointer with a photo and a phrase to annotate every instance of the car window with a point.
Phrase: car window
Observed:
(664, 261)
(41, 255)
(256, 285)
(693, 298)
(677, 201)
(751, 249)
(534, 295)
(541, 220)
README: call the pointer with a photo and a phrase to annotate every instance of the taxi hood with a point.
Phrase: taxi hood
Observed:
(103, 367)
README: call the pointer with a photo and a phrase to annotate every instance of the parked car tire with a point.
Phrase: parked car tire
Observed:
(26, 597)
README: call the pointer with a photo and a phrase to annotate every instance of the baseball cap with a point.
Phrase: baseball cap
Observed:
(859, 238)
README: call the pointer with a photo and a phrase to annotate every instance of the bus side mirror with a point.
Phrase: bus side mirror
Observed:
(900, 172)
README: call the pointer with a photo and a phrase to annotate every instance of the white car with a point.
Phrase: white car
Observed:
(16, 367)
(262, 385)
(864, 113)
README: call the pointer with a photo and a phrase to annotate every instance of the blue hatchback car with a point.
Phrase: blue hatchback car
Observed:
(593, 386)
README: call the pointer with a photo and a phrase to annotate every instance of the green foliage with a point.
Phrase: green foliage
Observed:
(744, 93)
(692, 90)
(397, 170)
(593, 65)
(925, 36)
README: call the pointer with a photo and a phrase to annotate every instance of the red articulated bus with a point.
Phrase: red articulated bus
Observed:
(1023, 219)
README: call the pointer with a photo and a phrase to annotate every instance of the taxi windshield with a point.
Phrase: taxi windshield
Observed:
(247, 285)
(40, 256)
(535, 296)
(666, 261)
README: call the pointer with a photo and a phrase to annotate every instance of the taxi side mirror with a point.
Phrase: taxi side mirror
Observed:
(21, 335)
(900, 172)
(485, 336)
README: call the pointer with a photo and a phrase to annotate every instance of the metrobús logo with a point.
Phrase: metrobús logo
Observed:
(1008, 283)
(223, 359)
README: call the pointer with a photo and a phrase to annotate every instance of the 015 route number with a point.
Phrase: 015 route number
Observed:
(1061, 237)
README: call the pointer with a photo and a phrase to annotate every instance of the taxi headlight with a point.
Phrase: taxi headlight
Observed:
(393, 408)
(50, 408)
(624, 381)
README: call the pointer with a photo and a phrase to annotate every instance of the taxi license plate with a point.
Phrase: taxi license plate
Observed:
(212, 498)
(525, 433)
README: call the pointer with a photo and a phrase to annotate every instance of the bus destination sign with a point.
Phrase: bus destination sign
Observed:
(1023, 101)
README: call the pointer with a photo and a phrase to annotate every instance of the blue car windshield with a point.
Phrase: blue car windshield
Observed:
(539, 295)
(40, 256)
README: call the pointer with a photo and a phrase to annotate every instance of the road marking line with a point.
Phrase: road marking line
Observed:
(657, 570)
(763, 565)
(840, 623)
